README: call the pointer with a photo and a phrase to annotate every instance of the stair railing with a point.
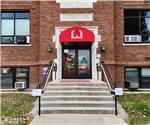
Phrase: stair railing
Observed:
(102, 66)
(52, 66)
(48, 76)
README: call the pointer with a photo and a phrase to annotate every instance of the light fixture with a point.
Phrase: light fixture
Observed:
(49, 49)
(98, 56)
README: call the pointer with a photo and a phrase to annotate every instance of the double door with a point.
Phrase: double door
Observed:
(76, 63)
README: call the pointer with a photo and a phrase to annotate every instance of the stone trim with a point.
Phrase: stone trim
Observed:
(76, 17)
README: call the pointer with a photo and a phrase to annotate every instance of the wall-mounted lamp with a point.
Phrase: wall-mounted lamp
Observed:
(104, 48)
(49, 49)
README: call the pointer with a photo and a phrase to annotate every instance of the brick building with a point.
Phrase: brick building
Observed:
(72, 34)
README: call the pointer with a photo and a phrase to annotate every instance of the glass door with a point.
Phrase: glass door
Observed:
(76, 63)
(84, 63)
(69, 63)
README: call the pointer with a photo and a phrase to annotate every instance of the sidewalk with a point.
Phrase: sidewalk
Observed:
(77, 119)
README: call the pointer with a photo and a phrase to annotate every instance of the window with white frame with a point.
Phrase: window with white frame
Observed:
(137, 26)
(15, 27)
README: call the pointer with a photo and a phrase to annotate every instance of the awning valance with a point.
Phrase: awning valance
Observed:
(77, 34)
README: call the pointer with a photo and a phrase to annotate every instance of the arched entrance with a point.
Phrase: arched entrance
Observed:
(59, 48)
(76, 53)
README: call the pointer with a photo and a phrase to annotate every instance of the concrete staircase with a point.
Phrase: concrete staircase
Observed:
(76, 97)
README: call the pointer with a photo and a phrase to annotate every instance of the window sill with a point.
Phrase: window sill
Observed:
(15, 45)
(136, 44)
(138, 90)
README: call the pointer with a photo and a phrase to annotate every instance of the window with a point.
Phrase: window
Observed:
(137, 75)
(137, 26)
(6, 78)
(22, 75)
(11, 75)
(15, 27)
(145, 77)
(131, 76)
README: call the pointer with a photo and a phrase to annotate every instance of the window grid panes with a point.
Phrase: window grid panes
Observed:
(15, 27)
(137, 23)
(7, 27)
(6, 81)
(138, 75)
(131, 76)
(22, 27)
(11, 75)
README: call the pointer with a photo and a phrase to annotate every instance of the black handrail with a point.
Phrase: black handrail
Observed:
(48, 74)
(108, 74)
(102, 66)
(42, 84)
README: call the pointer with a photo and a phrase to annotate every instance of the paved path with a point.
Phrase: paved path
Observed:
(77, 119)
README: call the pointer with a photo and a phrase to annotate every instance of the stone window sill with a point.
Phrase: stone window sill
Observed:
(8, 45)
(141, 44)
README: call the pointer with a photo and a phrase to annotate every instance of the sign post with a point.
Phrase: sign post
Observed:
(37, 93)
(118, 92)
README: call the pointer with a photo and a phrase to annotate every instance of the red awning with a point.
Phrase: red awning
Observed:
(77, 34)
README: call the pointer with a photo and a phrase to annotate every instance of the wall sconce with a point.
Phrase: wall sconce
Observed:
(104, 48)
(49, 49)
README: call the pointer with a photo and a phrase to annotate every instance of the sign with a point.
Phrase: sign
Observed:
(118, 91)
(36, 92)
(77, 34)
(44, 70)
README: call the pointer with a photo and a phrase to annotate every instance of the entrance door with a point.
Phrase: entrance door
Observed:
(76, 63)
(83, 66)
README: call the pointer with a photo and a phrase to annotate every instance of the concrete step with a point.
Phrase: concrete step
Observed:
(77, 110)
(77, 88)
(77, 84)
(77, 104)
(70, 93)
(78, 98)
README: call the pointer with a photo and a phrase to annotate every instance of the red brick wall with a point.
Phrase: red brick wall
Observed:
(127, 55)
(24, 55)
(108, 16)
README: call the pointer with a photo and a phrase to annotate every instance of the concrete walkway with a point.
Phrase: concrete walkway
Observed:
(77, 119)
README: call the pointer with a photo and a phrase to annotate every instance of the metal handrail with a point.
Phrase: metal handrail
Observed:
(45, 81)
(108, 80)
(48, 74)
(107, 75)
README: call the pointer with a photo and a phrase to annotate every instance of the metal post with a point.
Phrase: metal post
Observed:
(116, 112)
(55, 75)
(97, 75)
(39, 105)
(97, 72)
(51, 76)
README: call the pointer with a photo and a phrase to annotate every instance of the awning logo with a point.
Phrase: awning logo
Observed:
(76, 34)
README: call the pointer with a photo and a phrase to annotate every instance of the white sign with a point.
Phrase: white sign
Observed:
(44, 70)
(36, 92)
(118, 91)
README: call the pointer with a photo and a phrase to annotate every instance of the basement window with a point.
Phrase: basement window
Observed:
(10, 75)
(137, 75)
